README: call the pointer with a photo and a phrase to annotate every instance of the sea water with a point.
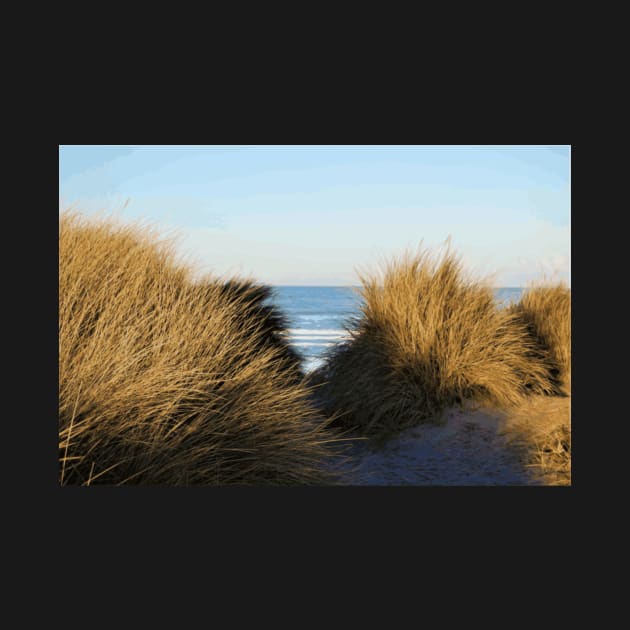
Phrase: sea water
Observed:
(319, 317)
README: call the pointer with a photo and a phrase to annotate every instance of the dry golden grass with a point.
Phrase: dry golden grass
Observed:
(429, 336)
(163, 380)
(546, 310)
(541, 429)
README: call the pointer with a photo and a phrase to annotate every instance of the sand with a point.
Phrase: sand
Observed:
(466, 448)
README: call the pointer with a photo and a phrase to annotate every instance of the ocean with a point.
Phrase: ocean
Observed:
(318, 316)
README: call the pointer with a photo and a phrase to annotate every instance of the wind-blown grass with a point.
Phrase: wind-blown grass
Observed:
(541, 427)
(164, 380)
(429, 336)
(546, 310)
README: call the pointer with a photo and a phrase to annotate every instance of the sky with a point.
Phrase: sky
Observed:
(315, 215)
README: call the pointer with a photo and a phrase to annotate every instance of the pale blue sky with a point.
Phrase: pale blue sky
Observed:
(315, 214)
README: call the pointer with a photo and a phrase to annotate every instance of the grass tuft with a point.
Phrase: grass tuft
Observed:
(429, 336)
(546, 311)
(164, 380)
(541, 427)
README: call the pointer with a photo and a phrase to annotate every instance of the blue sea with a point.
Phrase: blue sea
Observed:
(318, 316)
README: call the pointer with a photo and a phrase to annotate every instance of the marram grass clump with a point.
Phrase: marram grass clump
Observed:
(541, 427)
(540, 430)
(545, 308)
(429, 336)
(164, 380)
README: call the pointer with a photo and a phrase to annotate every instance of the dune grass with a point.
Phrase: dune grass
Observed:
(168, 381)
(429, 336)
(545, 308)
(541, 427)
